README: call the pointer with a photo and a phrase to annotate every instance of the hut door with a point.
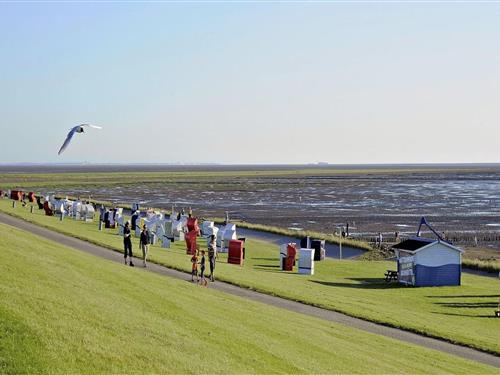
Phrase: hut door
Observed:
(407, 270)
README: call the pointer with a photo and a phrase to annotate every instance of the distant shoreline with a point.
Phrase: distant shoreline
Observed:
(159, 167)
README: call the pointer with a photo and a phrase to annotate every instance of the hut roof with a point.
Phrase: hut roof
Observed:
(413, 244)
(417, 243)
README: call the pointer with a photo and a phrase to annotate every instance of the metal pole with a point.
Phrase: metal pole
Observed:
(13, 204)
(31, 209)
(340, 249)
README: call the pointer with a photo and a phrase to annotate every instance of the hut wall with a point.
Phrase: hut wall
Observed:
(437, 265)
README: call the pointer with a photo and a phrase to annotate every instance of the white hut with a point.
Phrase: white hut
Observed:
(428, 262)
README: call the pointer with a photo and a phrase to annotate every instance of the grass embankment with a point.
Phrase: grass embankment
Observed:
(64, 311)
(460, 314)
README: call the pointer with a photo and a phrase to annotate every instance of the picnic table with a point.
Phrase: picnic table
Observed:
(391, 275)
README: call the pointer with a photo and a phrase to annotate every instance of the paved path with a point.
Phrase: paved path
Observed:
(332, 316)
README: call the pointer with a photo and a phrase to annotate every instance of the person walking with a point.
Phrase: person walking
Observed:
(203, 280)
(194, 267)
(380, 239)
(144, 244)
(212, 256)
(127, 244)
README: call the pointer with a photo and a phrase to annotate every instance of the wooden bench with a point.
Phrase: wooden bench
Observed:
(391, 275)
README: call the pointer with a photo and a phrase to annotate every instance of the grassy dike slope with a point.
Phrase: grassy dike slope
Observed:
(64, 311)
(462, 314)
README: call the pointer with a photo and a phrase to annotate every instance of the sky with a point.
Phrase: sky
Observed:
(250, 82)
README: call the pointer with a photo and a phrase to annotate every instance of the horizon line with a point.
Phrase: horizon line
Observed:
(315, 164)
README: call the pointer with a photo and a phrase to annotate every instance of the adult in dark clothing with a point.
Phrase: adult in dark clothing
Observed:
(212, 256)
(203, 281)
(127, 244)
(144, 244)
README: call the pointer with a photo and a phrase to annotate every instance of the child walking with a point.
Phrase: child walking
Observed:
(203, 280)
(194, 267)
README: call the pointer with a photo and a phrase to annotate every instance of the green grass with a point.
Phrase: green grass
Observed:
(462, 314)
(65, 311)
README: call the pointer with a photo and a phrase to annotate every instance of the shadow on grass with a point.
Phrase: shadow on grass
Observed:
(273, 270)
(362, 283)
(265, 266)
(469, 305)
(273, 259)
(467, 315)
(469, 296)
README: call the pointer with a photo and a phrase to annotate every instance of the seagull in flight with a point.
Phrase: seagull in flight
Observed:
(76, 129)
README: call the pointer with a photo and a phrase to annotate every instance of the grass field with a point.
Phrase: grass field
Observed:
(64, 311)
(461, 314)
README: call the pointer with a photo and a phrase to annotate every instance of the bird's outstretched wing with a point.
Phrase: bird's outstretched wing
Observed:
(68, 140)
(92, 126)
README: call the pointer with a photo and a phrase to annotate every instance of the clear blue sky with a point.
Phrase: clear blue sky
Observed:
(250, 82)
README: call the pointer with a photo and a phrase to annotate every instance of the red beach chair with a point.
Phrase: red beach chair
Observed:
(191, 242)
(235, 252)
(47, 209)
(192, 225)
(290, 257)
